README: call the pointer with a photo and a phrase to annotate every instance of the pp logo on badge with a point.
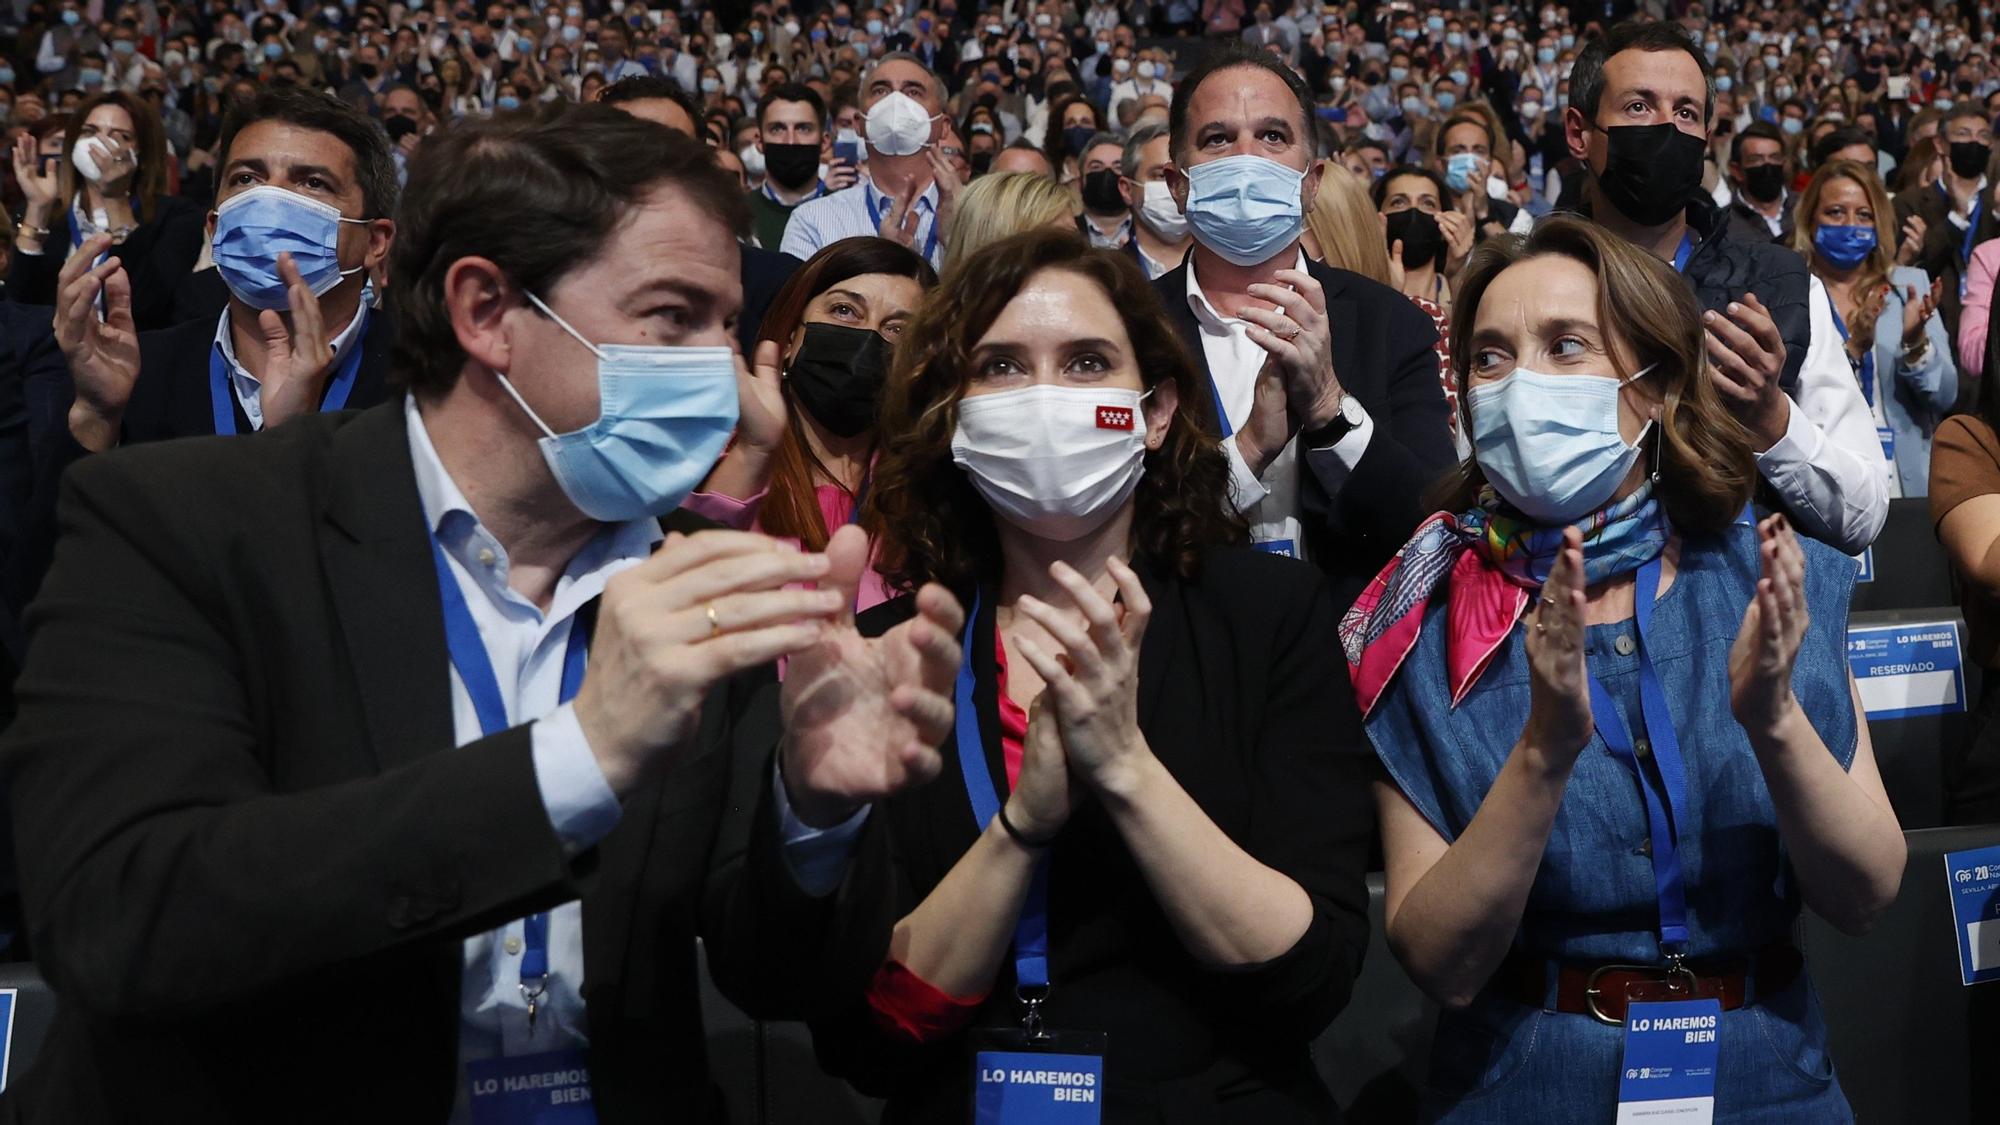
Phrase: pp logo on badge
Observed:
(1114, 418)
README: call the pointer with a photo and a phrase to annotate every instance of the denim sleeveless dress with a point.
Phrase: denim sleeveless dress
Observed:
(1593, 900)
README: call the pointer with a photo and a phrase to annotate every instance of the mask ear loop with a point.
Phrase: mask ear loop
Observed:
(1659, 447)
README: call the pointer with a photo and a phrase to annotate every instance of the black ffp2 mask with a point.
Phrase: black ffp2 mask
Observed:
(791, 166)
(1650, 171)
(1968, 159)
(1100, 193)
(1418, 231)
(1764, 183)
(837, 376)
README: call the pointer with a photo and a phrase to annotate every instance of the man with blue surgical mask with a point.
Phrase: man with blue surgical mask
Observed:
(305, 188)
(1325, 383)
(411, 731)
(908, 188)
(306, 184)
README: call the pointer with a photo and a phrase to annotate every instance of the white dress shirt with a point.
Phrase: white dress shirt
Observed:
(1828, 466)
(250, 390)
(851, 213)
(527, 648)
(1271, 501)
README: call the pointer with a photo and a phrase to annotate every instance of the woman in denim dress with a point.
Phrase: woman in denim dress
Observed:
(1522, 889)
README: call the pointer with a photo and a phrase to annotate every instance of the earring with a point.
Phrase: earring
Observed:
(1659, 448)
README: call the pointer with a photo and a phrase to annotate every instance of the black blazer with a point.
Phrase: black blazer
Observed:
(1238, 679)
(157, 257)
(249, 848)
(1385, 354)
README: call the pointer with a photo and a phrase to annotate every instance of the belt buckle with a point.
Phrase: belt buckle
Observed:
(1591, 993)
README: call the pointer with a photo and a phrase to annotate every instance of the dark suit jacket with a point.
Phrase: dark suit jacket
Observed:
(157, 257)
(1385, 354)
(1240, 683)
(248, 845)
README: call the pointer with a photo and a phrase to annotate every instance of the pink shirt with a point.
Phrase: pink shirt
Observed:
(836, 508)
(1972, 314)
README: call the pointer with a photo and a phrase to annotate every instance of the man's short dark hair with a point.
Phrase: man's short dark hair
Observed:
(646, 88)
(1755, 131)
(374, 168)
(1586, 78)
(538, 194)
(1843, 137)
(1966, 108)
(793, 92)
(1231, 56)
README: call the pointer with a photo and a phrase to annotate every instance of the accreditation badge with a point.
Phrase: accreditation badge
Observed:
(1039, 1077)
(1668, 1073)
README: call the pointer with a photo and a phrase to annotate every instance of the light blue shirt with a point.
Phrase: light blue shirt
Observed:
(250, 390)
(849, 213)
(526, 647)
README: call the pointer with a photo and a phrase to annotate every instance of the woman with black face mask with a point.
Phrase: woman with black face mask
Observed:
(1426, 237)
(806, 441)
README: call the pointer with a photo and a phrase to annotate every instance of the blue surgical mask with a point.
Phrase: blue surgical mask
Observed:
(1792, 126)
(6, 76)
(274, 51)
(1398, 73)
(664, 415)
(1724, 83)
(1246, 208)
(1568, 41)
(1413, 106)
(1454, 40)
(1458, 169)
(1460, 77)
(90, 76)
(1446, 100)
(71, 17)
(507, 102)
(1545, 55)
(254, 227)
(1845, 247)
(1549, 444)
(1435, 23)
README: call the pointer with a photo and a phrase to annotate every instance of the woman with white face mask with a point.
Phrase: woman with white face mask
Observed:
(1633, 840)
(1149, 780)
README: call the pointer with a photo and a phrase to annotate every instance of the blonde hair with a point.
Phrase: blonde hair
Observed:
(1345, 226)
(1002, 204)
(1870, 283)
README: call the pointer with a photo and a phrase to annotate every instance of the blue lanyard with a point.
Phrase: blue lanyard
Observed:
(868, 194)
(475, 671)
(1867, 371)
(1685, 252)
(222, 400)
(1031, 930)
(860, 498)
(1221, 415)
(1664, 810)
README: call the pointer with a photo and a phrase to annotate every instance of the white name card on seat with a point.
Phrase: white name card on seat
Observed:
(1904, 671)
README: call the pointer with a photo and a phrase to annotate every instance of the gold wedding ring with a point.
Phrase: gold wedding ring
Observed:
(714, 625)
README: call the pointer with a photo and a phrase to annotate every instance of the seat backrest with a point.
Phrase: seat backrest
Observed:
(1911, 570)
(1901, 1027)
(1911, 750)
(767, 1070)
(33, 1011)
(1374, 1055)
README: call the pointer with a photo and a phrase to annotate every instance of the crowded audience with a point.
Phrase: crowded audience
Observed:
(980, 527)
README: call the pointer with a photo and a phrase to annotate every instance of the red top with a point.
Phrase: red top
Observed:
(904, 1003)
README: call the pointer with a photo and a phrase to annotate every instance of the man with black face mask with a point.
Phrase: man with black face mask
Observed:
(1106, 218)
(1641, 100)
(1957, 210)
(1760, 211)
(791, 133)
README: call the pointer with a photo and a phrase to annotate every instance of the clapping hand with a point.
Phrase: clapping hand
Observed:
(1093, 681)
(1559, 716)
(1917, 309)
(864, 716)
(1774, 626)
(296, 358)
(103, 352)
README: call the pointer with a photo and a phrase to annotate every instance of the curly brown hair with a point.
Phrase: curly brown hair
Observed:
(928, 522)
(1708, 471)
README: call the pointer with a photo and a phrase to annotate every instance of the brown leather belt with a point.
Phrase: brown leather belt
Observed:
(1599, 991)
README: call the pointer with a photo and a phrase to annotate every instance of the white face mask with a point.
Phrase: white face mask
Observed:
(90, 156)
(898, 125)
(1161, 212)
(1055, 462)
